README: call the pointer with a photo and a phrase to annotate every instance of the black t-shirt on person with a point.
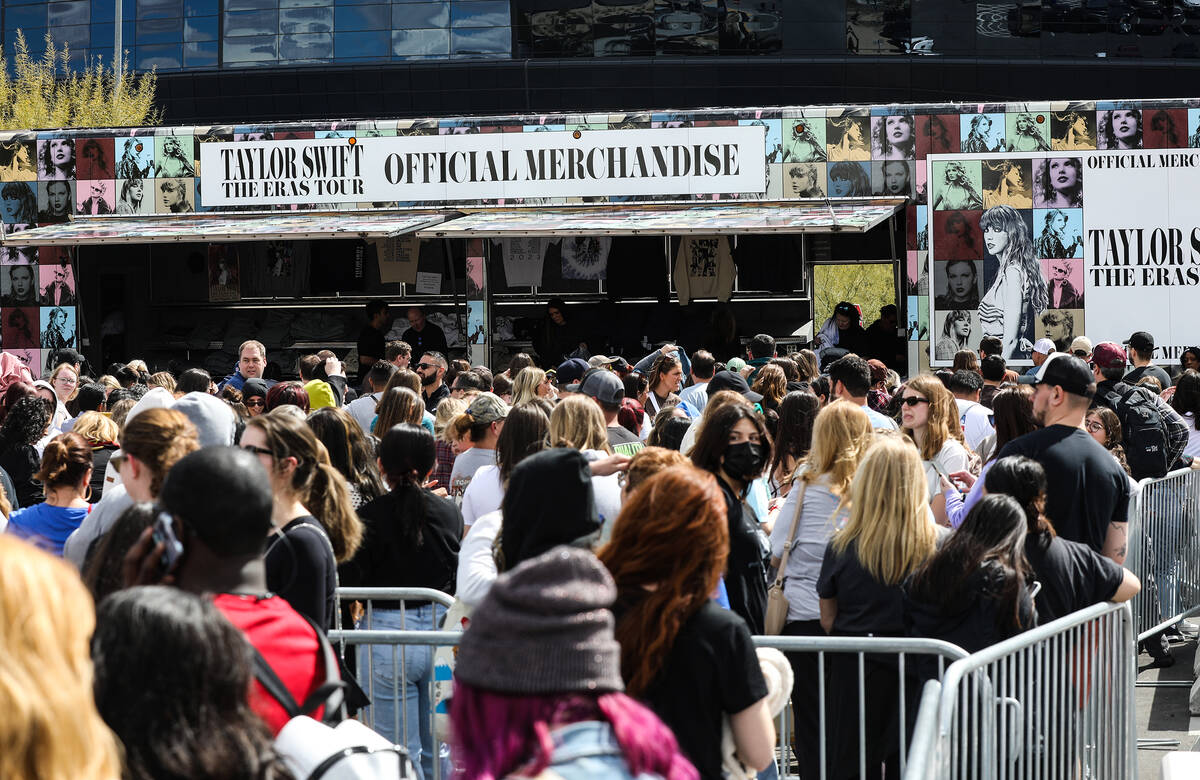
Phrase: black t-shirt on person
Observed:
(1073, 575)
(746, 575)
(970, 618)
(711, 670)
(392, 557)
(427, 339)
(1149, 370)
(371, 343)
(1086, 489)
(865, 605)
(301, 568)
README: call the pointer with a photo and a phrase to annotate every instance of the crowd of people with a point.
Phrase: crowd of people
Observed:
(609, 529)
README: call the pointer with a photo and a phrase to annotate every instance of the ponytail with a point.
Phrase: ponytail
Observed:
(317, 485)
(65, 461)
(328, 498)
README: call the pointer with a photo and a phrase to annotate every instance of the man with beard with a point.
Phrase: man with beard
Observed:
(431, 368)
(1087, 491)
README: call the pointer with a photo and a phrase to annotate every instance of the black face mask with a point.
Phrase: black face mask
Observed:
(744, 461)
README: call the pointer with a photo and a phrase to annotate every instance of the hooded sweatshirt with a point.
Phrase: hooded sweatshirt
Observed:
(549, 502)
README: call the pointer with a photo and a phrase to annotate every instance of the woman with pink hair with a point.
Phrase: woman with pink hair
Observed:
(538, 683)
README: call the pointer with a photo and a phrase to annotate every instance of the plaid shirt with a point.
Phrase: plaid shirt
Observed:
(445, 464)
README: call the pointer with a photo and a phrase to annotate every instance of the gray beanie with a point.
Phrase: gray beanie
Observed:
(545, 627)
(215, 422)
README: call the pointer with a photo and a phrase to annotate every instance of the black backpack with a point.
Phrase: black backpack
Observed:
(1142, 427)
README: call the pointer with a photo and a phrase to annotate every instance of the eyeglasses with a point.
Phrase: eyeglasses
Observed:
(1093, 426)
(913, 400)
(258, 450)
(67, 380)
(256, 402)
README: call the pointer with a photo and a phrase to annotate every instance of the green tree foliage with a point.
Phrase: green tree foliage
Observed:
(46, 93)
(870, 285)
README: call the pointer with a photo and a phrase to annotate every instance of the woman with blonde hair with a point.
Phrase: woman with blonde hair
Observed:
(929, 417)
(577, 422)
(841, 436)
(445, 441)
(531, 382)
(162, 379)
(64, 379)
(99, 431)
(316, 526)
(887, 537)
(51, 729)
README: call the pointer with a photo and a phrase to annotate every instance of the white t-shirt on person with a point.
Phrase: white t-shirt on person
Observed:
(482, 495)
(976, 422)
(951, 458)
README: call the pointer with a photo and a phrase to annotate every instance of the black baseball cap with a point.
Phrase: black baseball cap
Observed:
(1068, 372)
(728, 380)
(571, 371)
(1142, 341)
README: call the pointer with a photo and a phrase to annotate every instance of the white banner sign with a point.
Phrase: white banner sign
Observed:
(672, 161)
(1061, 244)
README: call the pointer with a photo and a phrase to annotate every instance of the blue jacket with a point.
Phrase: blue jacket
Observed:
(237, 381)
(587, 750)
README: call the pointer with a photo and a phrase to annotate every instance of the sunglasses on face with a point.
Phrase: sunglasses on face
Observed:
(913, 400)
(425, 365)
(256, 402)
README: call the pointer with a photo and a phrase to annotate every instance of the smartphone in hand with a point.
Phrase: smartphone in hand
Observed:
(164, 534)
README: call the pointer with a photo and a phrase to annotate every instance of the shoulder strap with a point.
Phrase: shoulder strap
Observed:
(787, 546)
(337, 608)
(331, 693)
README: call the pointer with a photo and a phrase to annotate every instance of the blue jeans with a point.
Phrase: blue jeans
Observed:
(400, 686)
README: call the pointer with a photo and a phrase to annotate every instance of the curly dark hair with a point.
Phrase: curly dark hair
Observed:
(26, 422)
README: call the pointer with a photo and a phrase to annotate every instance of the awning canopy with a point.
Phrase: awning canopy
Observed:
(225, 228)
(711, 219)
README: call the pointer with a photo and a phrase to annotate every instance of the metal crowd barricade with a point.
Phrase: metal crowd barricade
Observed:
(411, 633)
(904, 652)
(912, 657)
(1164, 550)
(1053, 702)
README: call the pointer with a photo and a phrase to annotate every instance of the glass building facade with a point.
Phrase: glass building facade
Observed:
(185, 35)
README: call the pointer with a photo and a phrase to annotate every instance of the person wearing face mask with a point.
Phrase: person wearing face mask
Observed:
(734, 445)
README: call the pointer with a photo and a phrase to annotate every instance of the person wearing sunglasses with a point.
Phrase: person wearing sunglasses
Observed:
(152, 441)
(432, 368)
(254, 396)
(929, 416)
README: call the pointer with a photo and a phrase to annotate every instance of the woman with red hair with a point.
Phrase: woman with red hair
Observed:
(538, 690)
(692, 661)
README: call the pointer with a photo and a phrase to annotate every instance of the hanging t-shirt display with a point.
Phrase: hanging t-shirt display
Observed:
(585, 257)
(703, 268)
(338, 266)
(275, 268)
(523, 258)
(397, 257)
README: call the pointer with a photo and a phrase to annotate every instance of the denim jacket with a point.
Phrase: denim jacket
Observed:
(587, 750)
